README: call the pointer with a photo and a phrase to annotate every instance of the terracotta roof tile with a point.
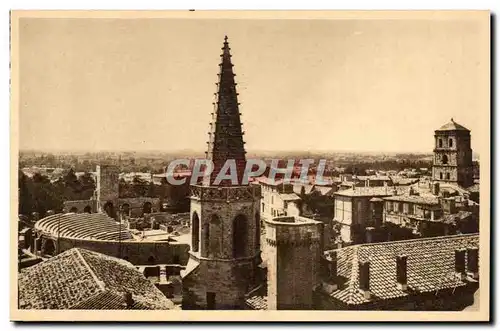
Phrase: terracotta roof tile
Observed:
(431, 264)
(82, 279)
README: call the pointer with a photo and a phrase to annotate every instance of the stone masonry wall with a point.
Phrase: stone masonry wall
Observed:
(137, 253)
(293, 264)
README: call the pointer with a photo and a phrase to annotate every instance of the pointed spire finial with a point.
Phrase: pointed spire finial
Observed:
(225, 38)
(452, 119)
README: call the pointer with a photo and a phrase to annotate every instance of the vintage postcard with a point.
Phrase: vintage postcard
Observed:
(250, 166)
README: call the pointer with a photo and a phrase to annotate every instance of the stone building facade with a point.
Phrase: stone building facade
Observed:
(453, 155)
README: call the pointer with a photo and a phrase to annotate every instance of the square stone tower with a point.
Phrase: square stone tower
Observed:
(225, 219)
(107, 189)
(294, 257)
(453, 155)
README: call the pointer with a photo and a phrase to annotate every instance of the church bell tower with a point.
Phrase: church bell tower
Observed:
(453, 155)
(225, 220)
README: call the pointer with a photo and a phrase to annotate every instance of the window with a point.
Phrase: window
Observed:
(195, 232)
(445, 159)
(440, 175)
(450, 142)
(440, 142)
(240, 235)
(448, 176)
(263, 208)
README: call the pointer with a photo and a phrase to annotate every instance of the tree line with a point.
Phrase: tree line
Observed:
(39, 194)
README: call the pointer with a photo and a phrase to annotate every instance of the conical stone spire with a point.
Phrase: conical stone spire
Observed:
(226, 136)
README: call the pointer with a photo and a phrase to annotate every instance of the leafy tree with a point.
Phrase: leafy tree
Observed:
(25, 203)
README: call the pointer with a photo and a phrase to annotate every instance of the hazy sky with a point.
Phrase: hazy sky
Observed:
(148, 84)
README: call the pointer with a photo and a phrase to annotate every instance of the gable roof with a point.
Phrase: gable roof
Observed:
(431, 267)
(82, 279)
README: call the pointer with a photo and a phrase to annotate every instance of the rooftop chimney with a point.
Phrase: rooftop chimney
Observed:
(369, 234)
(460, 263)
(402, 272)
(364, 279)
(129, 301)
(473, 262)
(332, 272)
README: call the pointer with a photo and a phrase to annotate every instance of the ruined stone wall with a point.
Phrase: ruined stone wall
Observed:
(80, 205)
(107, 183)
(136, 205)
(137, 253)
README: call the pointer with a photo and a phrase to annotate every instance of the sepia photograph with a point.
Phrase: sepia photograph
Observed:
(250, 166)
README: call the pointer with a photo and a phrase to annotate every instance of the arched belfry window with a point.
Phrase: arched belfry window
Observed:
(450, 142)
(445, 159)
(205, 232)
(440, 142)
(448, 176)
(240, 235)
(440, 175)
(195, 232)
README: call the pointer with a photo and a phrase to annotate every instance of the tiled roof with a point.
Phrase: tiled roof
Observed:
(452, 126)
(297, 188)
(451, 218)
(269, 181)
(96, 226)
(418, 199)
(452, 187)
(82, 279)
(379, 191)
(397, 180)
(324, 190)
(289, 196)
(257, 298)
(474, 188)
(431, 267)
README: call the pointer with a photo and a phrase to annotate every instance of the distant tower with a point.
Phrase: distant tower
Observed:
(225, 220)
(453, 155)
(295, 246)
(107, 189)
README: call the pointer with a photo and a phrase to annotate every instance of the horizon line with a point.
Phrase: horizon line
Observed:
(196, 151)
